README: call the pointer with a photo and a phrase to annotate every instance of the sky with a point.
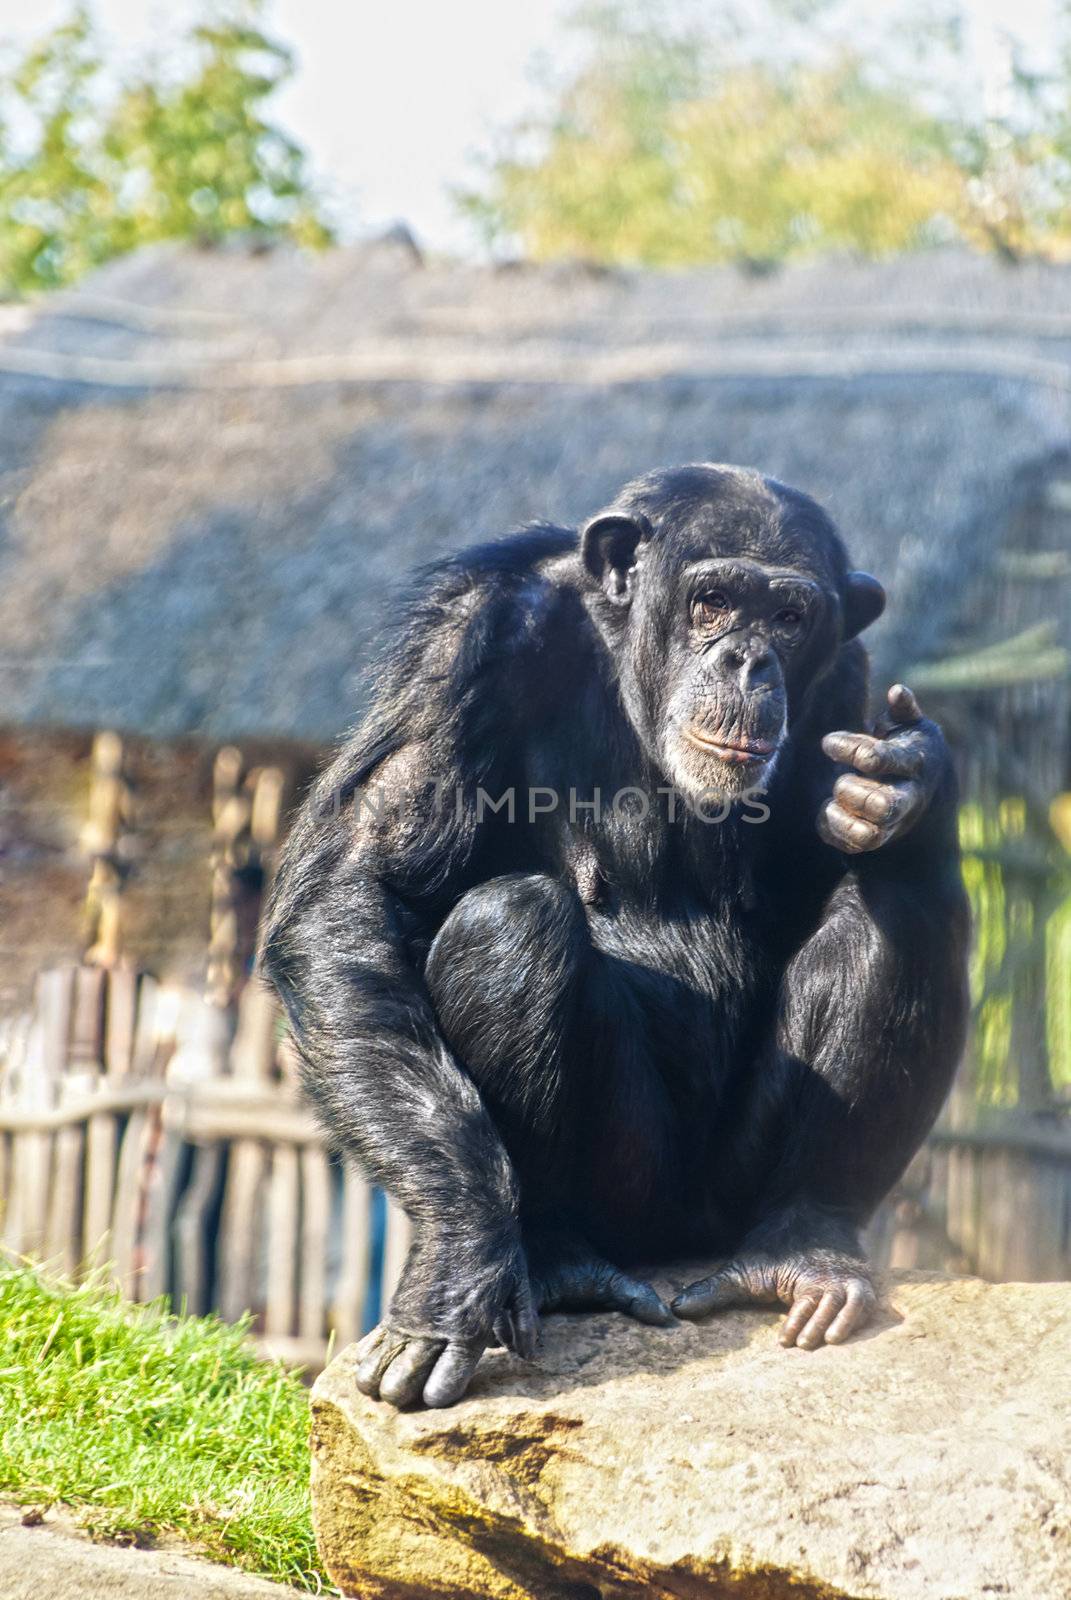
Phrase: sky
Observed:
(396, 100)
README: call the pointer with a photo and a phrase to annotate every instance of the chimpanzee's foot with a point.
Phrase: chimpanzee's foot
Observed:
(567, 1275)
(830, 1294)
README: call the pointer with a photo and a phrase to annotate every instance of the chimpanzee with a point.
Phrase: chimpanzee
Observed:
(611, 938)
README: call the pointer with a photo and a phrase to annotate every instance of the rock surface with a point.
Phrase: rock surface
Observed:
(929, 1459)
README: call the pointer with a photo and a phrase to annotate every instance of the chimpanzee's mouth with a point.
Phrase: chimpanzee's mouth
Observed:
(741, 751)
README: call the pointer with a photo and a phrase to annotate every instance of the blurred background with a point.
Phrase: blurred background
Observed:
(295, 296)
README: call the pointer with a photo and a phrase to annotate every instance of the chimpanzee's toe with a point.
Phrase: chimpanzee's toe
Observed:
(829, 1296)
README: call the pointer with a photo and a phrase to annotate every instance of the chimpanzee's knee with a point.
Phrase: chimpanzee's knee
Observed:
(505, 974)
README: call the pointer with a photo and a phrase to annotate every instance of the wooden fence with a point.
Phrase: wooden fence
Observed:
(138, 1136)
(992, 1198)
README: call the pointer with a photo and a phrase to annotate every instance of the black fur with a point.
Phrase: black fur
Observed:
(567, 1041)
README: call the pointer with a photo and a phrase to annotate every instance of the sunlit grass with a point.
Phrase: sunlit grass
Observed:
(150, 1425)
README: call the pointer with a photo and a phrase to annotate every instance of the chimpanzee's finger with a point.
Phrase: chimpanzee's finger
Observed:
(453, 1372)
(875, 757)
(823, 1316)
(504, 1331)
(369, 1341)
(798, 1317)
(903, 707)
(881, 803)
(378, 1359)
(859, 1306)
(902, 713)
(720, 1291)
(403, 1382)
(638, 1299)
(524, 1320)
(845, 832)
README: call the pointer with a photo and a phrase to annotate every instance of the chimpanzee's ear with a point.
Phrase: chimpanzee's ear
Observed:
(864, 601)
(608, 545)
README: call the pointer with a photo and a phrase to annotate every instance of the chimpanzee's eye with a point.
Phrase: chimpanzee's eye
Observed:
(710, 607)
(788, 617)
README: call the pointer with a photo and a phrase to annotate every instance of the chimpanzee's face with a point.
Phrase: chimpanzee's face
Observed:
(728, 598)
(739, 636)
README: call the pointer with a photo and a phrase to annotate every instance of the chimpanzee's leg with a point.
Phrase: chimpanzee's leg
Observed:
(511, 975)
(506, 975)
(870, 1028)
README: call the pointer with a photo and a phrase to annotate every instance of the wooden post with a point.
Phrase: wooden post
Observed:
(231, 812)
(351, 1291)
(395, 1248)
(127, 1001)
(102, 838)
(315, 1236)
(265, 819)
(252, 1061)
(283, 1203)
(246, 813)
(153, 1047)
(80, 1071)
(40, 1072)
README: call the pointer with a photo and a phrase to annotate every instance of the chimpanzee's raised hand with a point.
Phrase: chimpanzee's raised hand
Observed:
(455, 1297)
(895, 774)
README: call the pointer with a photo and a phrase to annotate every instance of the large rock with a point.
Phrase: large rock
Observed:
(930, 1457)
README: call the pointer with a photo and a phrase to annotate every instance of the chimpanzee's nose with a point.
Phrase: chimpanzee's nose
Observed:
(749, 660)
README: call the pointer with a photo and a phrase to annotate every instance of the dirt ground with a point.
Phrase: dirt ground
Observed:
(55, 1558)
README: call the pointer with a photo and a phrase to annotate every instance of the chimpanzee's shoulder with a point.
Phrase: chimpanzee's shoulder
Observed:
(523, 573)
(477, 645)
(507, 606)
(525, 550)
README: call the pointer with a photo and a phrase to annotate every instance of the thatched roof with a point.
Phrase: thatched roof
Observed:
(214, 465)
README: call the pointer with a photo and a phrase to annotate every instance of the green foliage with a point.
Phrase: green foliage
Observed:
(756, 142)
(159, 1424)
(759, 167)
(1021, 913)
(90, 168)
(1027, 657)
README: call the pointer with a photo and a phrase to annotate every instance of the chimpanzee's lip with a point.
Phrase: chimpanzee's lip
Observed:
(739, 750)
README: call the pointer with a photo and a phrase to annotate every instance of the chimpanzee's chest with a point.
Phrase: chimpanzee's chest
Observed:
(685, 978)
(670, 1012)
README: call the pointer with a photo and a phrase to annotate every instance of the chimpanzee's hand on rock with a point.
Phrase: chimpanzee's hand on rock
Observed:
(896, 772)
(456, 1296)
(829, 1294)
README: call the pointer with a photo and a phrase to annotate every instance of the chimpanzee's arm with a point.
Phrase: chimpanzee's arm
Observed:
(358, 896)
(391, 1095)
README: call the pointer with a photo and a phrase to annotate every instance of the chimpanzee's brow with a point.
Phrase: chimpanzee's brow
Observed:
(725, 567)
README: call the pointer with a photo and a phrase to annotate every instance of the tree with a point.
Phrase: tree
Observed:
(91, 168)
(756, 142)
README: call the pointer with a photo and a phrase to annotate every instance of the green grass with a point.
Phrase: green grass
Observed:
(151, 1424)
